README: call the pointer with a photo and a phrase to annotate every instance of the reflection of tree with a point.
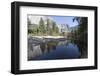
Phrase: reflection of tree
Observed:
(82, 48)
(48, 46)
(43, 47)
(54, 47)
(79, 36)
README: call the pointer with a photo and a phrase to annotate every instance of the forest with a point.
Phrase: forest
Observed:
(50, 28)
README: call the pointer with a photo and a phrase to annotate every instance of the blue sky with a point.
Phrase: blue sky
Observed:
(64, 20)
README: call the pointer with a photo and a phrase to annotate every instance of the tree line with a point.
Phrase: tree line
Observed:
(44, 28)
(80, 36)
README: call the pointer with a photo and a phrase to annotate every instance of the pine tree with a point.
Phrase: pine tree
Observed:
(48, 27)
(42, 26)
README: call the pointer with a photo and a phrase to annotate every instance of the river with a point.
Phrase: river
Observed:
(53, 50)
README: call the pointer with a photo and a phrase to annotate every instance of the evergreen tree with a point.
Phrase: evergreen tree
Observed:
(42, 26)
(48, 27)
(54, 27)
(28, 21)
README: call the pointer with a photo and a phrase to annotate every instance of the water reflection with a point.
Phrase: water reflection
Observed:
(65, 49)
(83, 47)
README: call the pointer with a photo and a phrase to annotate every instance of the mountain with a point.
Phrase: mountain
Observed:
(63, 27)
(35, 19)
(34, 23)
(74, 28)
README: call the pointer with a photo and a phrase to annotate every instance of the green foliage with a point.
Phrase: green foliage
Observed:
(28, 21)
(54, 26)
(42, 26)
(82, 21)
(79, 36)
(50, 28)
(81, 32)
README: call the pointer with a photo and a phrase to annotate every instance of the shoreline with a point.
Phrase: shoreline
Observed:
(54, 37)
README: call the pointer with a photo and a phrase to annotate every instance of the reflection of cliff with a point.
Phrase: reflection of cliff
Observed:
(63, 42)
(54, 50)
(35, 50)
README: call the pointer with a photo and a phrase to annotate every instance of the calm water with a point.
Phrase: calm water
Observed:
(54, 50)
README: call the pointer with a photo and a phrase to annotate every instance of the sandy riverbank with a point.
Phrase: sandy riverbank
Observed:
(55, 37)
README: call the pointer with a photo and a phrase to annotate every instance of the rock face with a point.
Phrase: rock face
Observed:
(63, 28)
(74, 28)
(35, 19)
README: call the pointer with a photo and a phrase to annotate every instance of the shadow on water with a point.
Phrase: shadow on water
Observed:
(51, 50)
(83, 49)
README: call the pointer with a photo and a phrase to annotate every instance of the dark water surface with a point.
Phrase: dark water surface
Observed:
(54, 50)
